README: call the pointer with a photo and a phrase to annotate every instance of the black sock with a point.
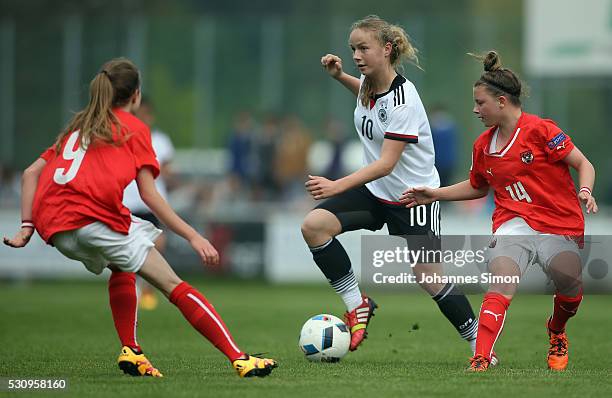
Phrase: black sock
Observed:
(457, 309)
(335, 265)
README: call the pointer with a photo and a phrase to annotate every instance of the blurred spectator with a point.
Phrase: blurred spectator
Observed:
(266, 148)
(240, 147)
(228, 195)
(337, 139)
(164, 151)
(446, 141)
(291, 159)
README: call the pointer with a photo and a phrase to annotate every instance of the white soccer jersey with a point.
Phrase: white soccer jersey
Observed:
(399, 115)
(164, 151)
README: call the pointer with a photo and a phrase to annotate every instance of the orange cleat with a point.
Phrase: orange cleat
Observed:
(557, 353)
(358, 320)
(478, 363)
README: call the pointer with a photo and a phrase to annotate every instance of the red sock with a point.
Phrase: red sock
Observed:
(203, 317)
(490, 322)
(124, 303)
(564, 308)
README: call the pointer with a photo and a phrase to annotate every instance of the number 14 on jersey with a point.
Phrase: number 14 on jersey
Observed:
(517, 192)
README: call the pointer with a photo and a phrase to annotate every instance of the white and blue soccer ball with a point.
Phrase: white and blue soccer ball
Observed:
(324, 338)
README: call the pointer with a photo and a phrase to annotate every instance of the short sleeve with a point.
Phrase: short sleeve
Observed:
(48, 154)
(403, 125)
(477, 179)
(144, 155)
(557, 143)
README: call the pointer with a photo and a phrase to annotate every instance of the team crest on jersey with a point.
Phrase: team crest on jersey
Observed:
(382, 112)
(382, 115)
(527, 157)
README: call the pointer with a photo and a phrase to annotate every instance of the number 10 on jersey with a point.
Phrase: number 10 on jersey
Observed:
(367, 127)
(517, 192)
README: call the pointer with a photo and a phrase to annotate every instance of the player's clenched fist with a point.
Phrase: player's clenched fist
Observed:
(332, 64)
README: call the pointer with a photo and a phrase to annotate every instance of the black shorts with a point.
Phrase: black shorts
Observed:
(360, 209)
(148, 216)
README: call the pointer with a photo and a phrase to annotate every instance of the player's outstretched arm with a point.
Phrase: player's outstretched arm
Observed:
(586, 178)
(322, 188)
(163, 211)
(29, 182)
(333, 65)
(425, 195)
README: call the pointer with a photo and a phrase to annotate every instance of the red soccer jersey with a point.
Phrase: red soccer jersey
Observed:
(528, 177)
(78, 187)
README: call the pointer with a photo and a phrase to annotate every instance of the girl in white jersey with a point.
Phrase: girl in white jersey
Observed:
(392, 125)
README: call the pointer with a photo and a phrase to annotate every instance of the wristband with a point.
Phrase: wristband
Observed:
(585, 189)
(27, 224)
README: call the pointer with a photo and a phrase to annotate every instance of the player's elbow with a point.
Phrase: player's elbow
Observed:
(148, 196)
(386, 168)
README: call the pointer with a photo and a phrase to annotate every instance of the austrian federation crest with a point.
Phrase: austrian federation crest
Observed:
(527, 156)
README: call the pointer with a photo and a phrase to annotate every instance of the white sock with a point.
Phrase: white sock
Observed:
(352, 298)
(472, 345)
(348, 289)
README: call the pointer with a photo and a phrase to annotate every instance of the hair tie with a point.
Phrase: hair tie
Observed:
(104, 72)
(500, 88)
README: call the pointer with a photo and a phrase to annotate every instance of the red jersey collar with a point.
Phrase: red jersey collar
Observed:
(520, 123)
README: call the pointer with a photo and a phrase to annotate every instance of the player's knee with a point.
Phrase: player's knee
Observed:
(313, 228)
(308, 228)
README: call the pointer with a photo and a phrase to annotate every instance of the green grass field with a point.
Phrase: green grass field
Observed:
(64, 330)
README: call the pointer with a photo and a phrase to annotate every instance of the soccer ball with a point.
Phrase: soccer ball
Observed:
(324, 338)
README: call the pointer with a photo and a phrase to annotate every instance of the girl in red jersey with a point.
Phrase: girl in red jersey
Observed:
(72, 195)
(525, 160)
